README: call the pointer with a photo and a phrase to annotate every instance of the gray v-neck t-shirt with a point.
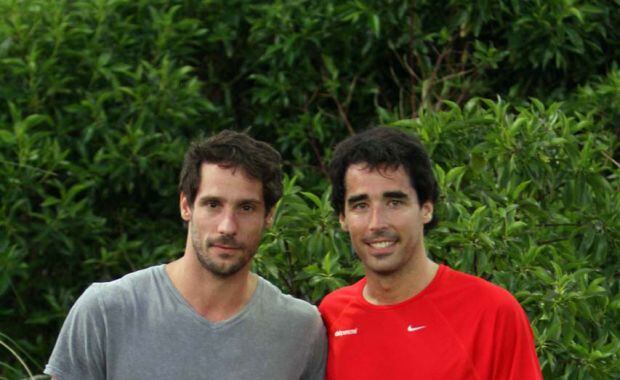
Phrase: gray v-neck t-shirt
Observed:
(140, 327)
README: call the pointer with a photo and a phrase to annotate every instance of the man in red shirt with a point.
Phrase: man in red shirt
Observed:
(409, 317)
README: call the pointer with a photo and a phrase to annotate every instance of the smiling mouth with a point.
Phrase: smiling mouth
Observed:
(382, 244)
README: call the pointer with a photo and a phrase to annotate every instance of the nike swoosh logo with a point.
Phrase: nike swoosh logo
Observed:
(415, 328)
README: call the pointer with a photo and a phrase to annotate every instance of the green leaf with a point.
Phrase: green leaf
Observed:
(7, 137)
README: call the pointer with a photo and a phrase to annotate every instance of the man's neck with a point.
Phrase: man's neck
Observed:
(214, 298)
(400, 286)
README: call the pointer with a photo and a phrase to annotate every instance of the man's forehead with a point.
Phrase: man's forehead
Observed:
(221, 180)
(388, 171)
(361, 178)
(233, 170)
(385, 169)
(229, 166)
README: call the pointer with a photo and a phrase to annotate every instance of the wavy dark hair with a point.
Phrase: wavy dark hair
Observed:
(258, 159)
(384, 147)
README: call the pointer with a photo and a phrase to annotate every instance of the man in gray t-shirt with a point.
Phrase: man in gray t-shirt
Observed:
(205, 315)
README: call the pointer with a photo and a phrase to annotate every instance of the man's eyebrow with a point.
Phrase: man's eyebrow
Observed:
(250, 201)
(357, 198)
(395, 195)
(208, 198)
(212, 198)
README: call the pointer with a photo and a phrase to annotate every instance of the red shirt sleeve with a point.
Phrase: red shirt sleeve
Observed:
(514, 357)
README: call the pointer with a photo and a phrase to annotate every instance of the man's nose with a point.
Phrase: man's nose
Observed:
(378, 220)
(228, 223)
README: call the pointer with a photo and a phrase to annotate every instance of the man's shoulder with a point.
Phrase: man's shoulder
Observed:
(140, 278)
(291, 307)
(339, 298)
(118, 291)
(477, 291)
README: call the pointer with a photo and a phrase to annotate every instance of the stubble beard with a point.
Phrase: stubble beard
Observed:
(222, 270)
(380, 270)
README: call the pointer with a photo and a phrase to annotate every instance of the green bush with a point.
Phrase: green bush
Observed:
(99, 99)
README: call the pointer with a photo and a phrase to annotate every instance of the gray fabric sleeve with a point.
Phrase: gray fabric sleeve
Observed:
(79, 351)
(317, 357)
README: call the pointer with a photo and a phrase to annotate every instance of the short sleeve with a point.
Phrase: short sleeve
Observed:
(514, 354)
(315, 367)
(79, 352)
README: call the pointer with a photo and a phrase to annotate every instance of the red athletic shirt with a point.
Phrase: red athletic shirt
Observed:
(459, 327)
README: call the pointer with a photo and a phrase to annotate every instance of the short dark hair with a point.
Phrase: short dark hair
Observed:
(258, 159)
(384, 147)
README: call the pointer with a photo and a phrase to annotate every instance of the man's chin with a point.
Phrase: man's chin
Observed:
(222, 270)
(381, 267)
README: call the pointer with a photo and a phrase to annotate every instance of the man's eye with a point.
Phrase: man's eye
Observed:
(248, 208)
(212, 204)
(359, 206)
(395, 202)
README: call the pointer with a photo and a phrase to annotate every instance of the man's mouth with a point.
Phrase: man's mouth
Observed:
(227, 244)
(383, 239)
(381, 244)
(224, 246)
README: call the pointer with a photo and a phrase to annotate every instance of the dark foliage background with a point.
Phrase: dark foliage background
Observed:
(518, 102)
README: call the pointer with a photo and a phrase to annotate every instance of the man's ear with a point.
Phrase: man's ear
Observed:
(269, 217)
(185, 207)
(343, 222)
(427, 212)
